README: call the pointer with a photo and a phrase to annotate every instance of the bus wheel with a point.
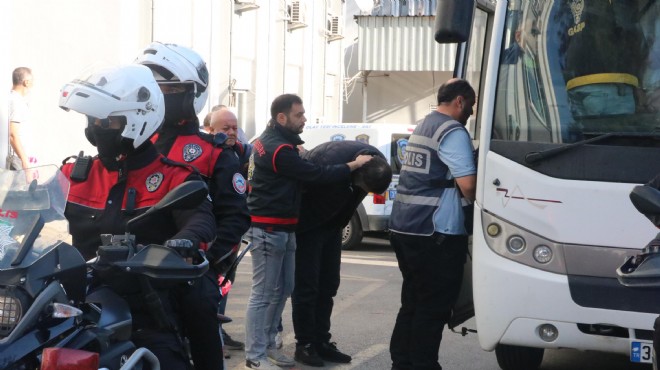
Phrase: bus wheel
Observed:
(518, 358)
(351, 235)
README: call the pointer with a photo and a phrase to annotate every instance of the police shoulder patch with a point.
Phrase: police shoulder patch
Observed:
(153, 181)
(191, 152)
(401, 145)
(239, 183)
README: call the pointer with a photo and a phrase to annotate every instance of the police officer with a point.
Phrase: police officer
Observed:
(429, 236)
(183, 77)
(124, 107)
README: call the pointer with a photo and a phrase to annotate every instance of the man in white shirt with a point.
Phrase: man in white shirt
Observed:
(20, 125)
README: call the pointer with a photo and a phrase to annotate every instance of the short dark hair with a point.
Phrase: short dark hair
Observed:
(207, 119)
(454, 88)
(20, 74)
(375, 175)
(283, 104)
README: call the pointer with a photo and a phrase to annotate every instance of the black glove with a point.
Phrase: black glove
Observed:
(224, 264)
(219, 139)
(184, 247)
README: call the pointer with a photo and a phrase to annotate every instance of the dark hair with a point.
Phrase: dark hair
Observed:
(207, 119)
(20, 74)
(454, 88)
(374, 176)
(283, 104)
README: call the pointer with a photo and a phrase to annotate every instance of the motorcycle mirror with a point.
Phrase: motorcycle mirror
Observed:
(186, 195)
(646, 199)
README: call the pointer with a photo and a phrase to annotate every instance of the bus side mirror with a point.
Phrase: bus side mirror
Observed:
(453, 21)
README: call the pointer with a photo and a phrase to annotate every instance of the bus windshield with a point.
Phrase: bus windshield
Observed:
(571, 70)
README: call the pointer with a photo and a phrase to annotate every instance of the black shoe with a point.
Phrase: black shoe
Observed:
(231, 343)
(223, 319)
(307, 355)
(329, 352)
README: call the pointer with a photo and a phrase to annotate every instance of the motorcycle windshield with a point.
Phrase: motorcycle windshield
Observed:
(32, 218)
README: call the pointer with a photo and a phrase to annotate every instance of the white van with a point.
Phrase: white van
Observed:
(391, 139)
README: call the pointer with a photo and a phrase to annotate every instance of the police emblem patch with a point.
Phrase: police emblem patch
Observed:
(363, 138)
(154, 181)
(239, 183)
(191, 152)
(401, 149)
(577, 6)
(337, 137)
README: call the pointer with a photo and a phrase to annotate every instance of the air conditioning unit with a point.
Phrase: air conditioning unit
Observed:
(334, 30)
(296, 16)
(241, 6)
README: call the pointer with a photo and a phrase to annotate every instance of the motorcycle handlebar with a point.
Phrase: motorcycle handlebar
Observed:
(153, 260)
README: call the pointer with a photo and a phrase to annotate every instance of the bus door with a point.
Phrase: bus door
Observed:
(471, 56)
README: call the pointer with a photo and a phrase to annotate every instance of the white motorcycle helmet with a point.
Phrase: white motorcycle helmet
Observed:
(128, 91)
(178, 64)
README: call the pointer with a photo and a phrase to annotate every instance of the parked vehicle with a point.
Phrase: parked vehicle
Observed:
(391, 139)
(44, 301)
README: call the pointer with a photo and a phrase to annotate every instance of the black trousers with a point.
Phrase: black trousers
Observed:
(318, 259)
(199, 314)
(432, 270)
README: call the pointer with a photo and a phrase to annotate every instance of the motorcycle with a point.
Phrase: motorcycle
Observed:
(643, 270)
(47, 315)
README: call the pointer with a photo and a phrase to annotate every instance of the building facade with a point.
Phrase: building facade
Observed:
(255, 50)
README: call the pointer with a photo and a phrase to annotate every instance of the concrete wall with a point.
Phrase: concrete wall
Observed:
(59, 39)
(5, 70)
(394, 97)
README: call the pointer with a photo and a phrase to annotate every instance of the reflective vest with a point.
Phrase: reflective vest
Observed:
(423, 177)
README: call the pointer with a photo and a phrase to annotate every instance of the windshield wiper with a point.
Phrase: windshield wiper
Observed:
(535, 157)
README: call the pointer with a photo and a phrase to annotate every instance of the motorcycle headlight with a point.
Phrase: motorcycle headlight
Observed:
(11, 311)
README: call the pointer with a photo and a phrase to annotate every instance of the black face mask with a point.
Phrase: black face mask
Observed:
(175, 109)
(108, 143)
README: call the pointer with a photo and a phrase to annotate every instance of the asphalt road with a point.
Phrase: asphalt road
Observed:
(364, 314)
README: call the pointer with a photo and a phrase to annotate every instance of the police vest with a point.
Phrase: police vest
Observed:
(423, 177)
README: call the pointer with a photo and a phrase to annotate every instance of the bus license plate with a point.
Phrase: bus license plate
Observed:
(641, 352)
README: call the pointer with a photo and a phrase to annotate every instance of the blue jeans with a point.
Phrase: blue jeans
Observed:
(601, 100)
(273, 268)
